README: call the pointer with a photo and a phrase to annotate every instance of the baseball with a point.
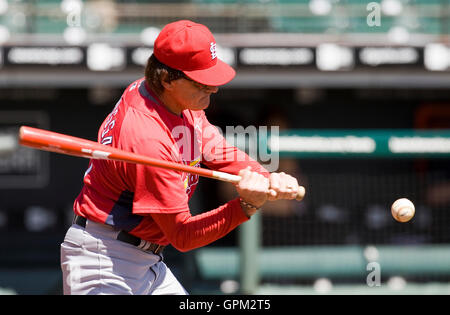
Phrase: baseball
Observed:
(403, 210)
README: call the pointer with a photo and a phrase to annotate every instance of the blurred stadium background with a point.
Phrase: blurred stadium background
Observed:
(359, 89)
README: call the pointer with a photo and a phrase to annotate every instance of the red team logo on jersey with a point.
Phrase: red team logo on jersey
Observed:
(189, 150)
(191, 180)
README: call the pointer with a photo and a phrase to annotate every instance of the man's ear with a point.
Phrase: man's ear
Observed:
(167, 85)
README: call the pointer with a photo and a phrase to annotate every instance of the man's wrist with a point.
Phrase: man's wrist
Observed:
(248, 208)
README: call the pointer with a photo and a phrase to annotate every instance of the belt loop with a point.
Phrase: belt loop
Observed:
(144, 245)
(157, 249)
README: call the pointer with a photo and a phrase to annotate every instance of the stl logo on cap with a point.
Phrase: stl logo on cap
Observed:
(213, 50)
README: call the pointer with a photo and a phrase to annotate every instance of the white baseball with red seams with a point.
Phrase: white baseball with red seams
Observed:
(403, 210)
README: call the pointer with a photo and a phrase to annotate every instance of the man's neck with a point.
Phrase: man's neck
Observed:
(171, 105)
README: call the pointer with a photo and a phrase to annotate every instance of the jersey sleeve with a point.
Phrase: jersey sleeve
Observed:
(219, 155)
(186, 232)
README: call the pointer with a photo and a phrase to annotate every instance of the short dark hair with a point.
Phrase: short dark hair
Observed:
(154, 74)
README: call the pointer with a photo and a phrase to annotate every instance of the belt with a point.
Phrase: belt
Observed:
(128, 238)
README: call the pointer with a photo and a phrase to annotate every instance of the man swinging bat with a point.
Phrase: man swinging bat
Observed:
(127, 213)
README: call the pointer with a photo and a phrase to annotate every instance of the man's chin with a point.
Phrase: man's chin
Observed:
(203, 105)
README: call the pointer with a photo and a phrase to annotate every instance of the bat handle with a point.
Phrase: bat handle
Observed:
(300, 193)
(236, 178)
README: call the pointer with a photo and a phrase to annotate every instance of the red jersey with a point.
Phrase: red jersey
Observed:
(150, 202)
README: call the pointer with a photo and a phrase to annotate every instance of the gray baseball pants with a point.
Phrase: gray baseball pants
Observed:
(93, 262)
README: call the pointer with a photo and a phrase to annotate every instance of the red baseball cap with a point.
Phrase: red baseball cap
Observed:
(191, 48)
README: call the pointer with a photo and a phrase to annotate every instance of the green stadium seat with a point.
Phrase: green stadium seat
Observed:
(130, 28)
(151, 1)
(46, 24)
(433, 26)
(301, 24)
(350, 19)
(48, 2)
(359, 25)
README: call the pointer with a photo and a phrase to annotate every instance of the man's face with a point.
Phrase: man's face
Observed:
(192, 95)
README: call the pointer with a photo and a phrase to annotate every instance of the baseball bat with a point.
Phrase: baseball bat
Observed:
(69, 145)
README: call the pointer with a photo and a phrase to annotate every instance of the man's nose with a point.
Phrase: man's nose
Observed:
(213, 89)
